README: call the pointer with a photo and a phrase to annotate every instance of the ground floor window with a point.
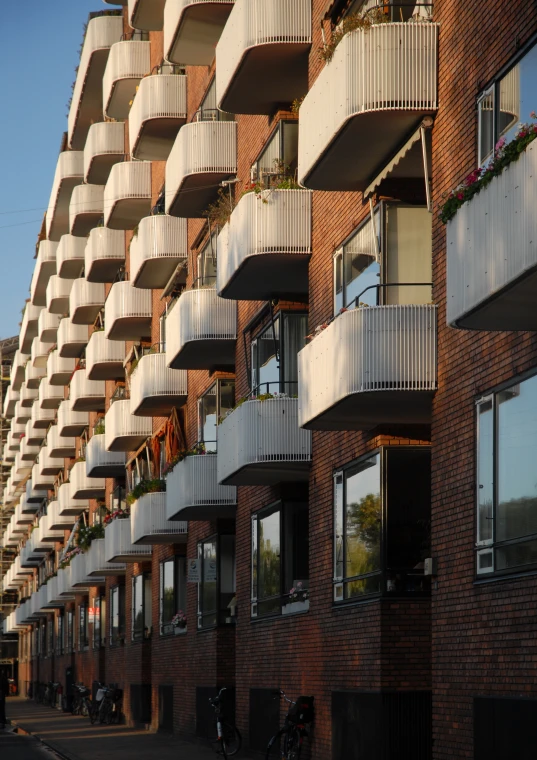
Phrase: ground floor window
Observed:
(70, 631)
(216, 588)
(117, 615)
(141, 606)
(173, 596)
(83, 626)
(98, 618)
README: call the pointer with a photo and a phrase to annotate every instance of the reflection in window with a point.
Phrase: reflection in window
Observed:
(212, 406)
(217, 586)
(356, 267)
(117, 614)
(172, 591)
(274, 354)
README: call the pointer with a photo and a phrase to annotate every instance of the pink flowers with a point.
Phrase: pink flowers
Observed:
(500, 144)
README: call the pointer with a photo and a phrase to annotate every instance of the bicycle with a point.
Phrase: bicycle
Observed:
(286, 744)
(228, 739)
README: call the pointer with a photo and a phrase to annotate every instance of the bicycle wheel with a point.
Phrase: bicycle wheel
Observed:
(231, 738)
(293, 743)
(104, 712)
(84, 708)
(276, 746)
(93, 713)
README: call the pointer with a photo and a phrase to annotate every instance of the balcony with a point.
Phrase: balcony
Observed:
(79, 573)
(123, 431)
(127, 312)
(65, 590)
(129, 61)
(83, 486)
(118, 545)
(374, 92)
(22, 414)
(86, 301)
(104, 358)
(159, 248)
(29, 326)
(96, 563)
(34, 376)
(105, 146)
(193, 491)
(59, 369)
(39, 355)
(101, 463)
(41, 483)
(127, 195)
(57, 521)
(203, 155)
(87, 102)
(491, 264)
(49, 399)
(192, 28)
(27, 396)
(22, 468)
(68, 505)
(157, 114)
(47, 533)
(146, 14)
(71, 424)
(27, 454)
(201, 331)
(86, 209)
(105, 254)
(60, 447)
(10, 400)
(13, 444)
(72, 339)
(54, 600)
(149, 524)
(370, 366)
(262, 56)
(70, 254)
(69, 174)
(45, 266)
(58, 290)
(34, 436)
(155, 389)
(49, 465)
(18, 368)
(47, 326)
(86, 395)
(22, 518)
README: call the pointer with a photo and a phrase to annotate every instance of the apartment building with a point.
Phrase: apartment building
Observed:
(259, 424)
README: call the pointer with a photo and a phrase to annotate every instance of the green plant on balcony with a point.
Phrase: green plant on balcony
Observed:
(196, 450)
(281, 178)
(218, 213)
(154, 485)
(87, 533)
(99, 428)
(362, 21)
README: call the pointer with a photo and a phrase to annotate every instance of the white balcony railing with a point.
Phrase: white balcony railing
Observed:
(262, 55)
(158, 112)
(376, 89)
(86, 209)
(39, 355)
(203, 155)
(49, 399)
(127, 194)
(49, 465)
(22, 413)
(68, 505)
(13, 444)
(27, 454)
(105, 146)
(201, 331)
(69, 174)
(155, 389)
(22, 518)
(369, 366)
(86, 301)
(34, 436)
(96, 563)
(54, 600)
(124, 431)
(83, 486)
(70, 253)
(47, 329)
(41, 483)
(118, 544)
(193, 491)
(160, 247)
(59, 369)
(58, 290)
(10, 400)
(104, 357)
(127, 312)
(104, 255)
(33, 376)
(56, 520)
(65, 590)
(18, 368)
(60, 446)
(86, 395)
(27, 396)
(70, 423)
(47, 533)
(45, 266)
(149, 524)
(101, 463)
(29, 326)
(192, 29)
(72, 339)
(128, 62)
(79, 575)
(87, 102)
(146, 14)
(265, 249)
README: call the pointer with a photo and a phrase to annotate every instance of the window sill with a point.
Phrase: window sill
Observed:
(504, 578)
(271, 618)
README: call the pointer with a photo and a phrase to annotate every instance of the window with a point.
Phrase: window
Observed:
(280, 559)
(508, 103)
(207, 263)
(70, 632)
(117, 615)
(59, 634)
(141, 606)
(172, 592)
(506, 487)
(214, 404)
(274, 354)
(208, 110)
(280, 149)
(382, 509)
(217, 586)
(83, 632)
(50, 638)
(99, 621)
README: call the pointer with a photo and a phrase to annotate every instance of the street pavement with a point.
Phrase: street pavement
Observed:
(17, 747)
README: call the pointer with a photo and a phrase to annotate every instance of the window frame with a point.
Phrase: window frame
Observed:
(277, 133)
(119, 638)
(99, 632)
(179, 593)
(83, 626)
(219, 618)
(379, 216)
(218, 385)
(145, 581)
(276, 323)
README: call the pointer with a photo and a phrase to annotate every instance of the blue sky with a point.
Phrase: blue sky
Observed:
(38, 55)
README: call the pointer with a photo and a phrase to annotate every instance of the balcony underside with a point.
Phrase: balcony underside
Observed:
(91, 100)
(58, 378)
(59, 305)
(107, 470)
(263, 276)
(158, 406)
(70, 269)
(104, 270)
(269, 76)
(210, 353)
(126, 213)
(60, 219)
(84, 223)
(156, 138)
(100, 167)
(88, 404)
(129, 328)
(156, 272)
(196, 193)
(85, 314)
(106, 371)
(71, 430)
(205, 512)
(73, 510)
(89, 492)
(49, 403)
(109, 572)
(198, 32)
(61, 452)
(72, 350)
(162, 538)
(126, 443)
(123, 91)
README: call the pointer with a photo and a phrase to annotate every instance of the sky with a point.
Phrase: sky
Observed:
(38, 55)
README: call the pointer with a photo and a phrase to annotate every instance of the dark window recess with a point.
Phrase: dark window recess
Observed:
(165, 707)
(264, 717)
(505, 729)
(141, 702)
(205, 725)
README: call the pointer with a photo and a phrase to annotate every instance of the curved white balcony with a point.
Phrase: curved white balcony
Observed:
(22, 413)
(13, 444)
(33, 376)
(363, 105)
(127, 194)
(72, 339)
(59, 446)
(123, 431)
(70, 423)
(45, 266)
(28, 453)
(86, 395)
(79, 573)
(70, 253)
(101, 463)
(49, 465)
(149, 524)
(146, 14)
(370, 366)
(22, 518)
(65, 590)
(69, 174)
(86, 209)
(201, 331)
(34, 436)
(104, 357)
(41, 483)
(262, 55)
(49, 399)
(10, 400)
(192, 29)
(18, 368)
(157, 114)
(57, 521)
(193, 491)
(68, 505)
(264, 251)
(27, 396)
(118, 544)
(128, 62)
(58, 290)
(105, 254)
(47, 533)
(155, 389)
(59, 369)
(87, 102)
(15, 527)
(86, 301)
(29, 326)
(160, 246)
(96, 563)
(127, 312)
(39, 356)
(47, 328)
(54, 600)
(203, 155)
(28, 507)
(84, 487)
(105, 146)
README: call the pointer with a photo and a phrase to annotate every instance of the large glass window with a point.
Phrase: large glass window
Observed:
(357, 267)
(214, 404)
(83, 628)
(172, 593)
(59, 634)
(141, 606)
(208, 110)
(117, 615)
(280, 154)
(70, 631)
(207, 263)
(274, 354)
(98, 618)
(216, 589)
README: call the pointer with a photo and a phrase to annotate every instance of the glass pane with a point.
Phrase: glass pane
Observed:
(269, 161)
(338, 522)
(137, 605)
(360, 272)
(208, 418)
(267, 369)
(269, 556)
(363, 518)
(147, 602)
(516, 555)
(485, 471)
(485, 117)
(255, 557)
(167, 592)
(227, 397)
(114, 613)
(209, 586)
(369, 585)
(338, 283)
(296, 549)
(295, 328)
(518, 95)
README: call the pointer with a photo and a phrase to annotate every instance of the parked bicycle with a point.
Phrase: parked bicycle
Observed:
(81, 701)
(52, 690)
(107, 706)
(287, 743)
(228, 740)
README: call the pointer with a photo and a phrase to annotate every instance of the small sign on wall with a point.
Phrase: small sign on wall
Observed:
(194, 571)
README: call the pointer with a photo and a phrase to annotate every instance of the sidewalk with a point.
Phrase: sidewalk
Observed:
(76, 739)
